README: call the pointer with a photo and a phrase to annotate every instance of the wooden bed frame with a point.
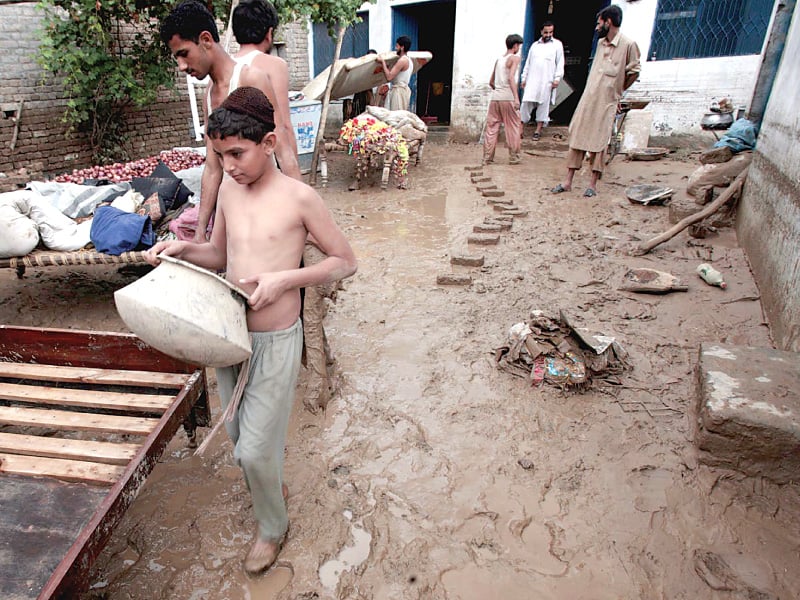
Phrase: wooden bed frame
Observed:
(49, 258)
(84, 416)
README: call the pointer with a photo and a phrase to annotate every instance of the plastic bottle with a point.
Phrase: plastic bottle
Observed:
(711, 276)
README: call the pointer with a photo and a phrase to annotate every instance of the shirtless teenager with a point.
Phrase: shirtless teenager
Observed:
(191, 34)
(254, 23)
(262, 220)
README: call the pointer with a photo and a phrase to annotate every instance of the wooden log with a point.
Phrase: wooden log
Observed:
(729, 193)
(487, 228)
(493, 193)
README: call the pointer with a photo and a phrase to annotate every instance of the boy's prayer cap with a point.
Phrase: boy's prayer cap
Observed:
(252, 102)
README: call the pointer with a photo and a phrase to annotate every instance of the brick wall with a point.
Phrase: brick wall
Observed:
(43, 148)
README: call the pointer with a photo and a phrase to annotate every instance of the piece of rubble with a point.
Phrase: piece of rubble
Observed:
(504, 206)
(748, 410)
(452, 279)
(480, 179)
(504, 225)
(465, 260)
(515, 212)
(474, 168)
(483, 239)
(493, 193)
(487, 228)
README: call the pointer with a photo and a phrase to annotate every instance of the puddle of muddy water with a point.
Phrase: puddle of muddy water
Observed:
(349, 557)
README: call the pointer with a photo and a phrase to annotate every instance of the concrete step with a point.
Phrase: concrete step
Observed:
(438, 134)
(748, 410)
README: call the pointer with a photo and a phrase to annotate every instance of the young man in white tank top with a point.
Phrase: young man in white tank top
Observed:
(399, 75)
(254, 23)
(504, 104)
(191, 34)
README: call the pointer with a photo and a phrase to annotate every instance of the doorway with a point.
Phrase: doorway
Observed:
(431, 26)
(574, 26)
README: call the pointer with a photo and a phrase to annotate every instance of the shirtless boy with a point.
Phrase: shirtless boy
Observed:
(191, 34)
(262, 220)
(254, 23)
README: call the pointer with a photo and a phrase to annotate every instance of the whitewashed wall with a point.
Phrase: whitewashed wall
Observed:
(769, 214)
(481, 30)
(682, 90)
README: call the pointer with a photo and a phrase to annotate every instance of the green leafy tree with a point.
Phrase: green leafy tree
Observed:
(108, 56)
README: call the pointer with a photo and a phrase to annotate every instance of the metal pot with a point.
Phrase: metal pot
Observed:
(188, 313)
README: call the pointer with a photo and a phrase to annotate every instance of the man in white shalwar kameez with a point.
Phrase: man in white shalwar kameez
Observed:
(543, 71)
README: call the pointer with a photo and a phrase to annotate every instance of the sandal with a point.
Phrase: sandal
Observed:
(536, 137)
(559, 189)
(589, 193)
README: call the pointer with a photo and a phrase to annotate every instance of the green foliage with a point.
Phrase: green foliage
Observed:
(82, 43)
(331, 12)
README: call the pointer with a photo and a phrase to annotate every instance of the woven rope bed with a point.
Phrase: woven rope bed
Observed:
(49, 258)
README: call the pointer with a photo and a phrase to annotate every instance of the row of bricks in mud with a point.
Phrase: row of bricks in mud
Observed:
(488, 232)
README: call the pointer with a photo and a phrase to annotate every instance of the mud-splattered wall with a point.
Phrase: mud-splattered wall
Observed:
(769, 216)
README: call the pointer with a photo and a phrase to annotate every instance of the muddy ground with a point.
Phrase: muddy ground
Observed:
(434, 475)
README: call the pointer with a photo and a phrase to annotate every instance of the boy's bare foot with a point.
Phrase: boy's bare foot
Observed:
(262, 556)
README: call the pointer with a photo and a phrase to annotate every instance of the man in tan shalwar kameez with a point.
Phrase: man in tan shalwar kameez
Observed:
(616, 66)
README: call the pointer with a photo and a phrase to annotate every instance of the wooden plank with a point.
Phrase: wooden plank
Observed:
(92, 376)
(102, 452)
(76, 348)
(148, 403)
(68, 470)
(75, 421)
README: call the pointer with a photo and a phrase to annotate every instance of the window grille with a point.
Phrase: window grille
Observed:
(707, 28)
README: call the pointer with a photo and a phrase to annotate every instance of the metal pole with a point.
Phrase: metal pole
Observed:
(770, 60)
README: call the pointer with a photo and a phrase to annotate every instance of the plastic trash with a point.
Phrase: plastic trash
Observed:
(711, 276)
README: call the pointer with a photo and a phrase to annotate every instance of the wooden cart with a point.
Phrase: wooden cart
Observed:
(84, 416)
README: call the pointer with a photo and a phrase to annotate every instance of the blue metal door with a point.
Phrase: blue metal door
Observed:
(355, 43)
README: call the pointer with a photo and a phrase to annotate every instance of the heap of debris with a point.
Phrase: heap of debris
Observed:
(549, 350)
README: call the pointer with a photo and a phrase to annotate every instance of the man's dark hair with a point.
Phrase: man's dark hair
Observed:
(405, 42)
(224, 123)
(548, 24)
(612, 12)
(513, 39)
(252, 20)
(188, 20)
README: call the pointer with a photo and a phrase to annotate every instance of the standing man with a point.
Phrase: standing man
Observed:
(399, 97)
(254, 23)
(543, 71)
(616, 66)
(191, 34)
(504, 104)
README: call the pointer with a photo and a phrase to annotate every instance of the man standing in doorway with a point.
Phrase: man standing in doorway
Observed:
(615, 68)
(543, 71)
(504, 104)
(399, 75)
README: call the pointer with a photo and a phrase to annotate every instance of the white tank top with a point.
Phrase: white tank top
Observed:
(404, 76)
(502, 87)
(237, 71)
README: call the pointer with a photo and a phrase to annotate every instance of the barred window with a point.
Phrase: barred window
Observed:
(706, 28)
